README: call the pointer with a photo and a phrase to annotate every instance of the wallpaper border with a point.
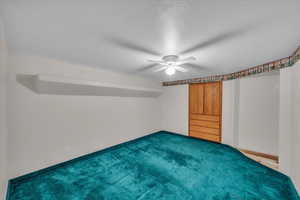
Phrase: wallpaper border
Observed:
(267, 67)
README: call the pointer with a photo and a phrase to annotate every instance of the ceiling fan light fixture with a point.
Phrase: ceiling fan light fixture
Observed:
(170, 71)
(172, 63)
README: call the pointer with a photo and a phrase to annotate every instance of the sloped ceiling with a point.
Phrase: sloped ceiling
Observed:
(121, 35)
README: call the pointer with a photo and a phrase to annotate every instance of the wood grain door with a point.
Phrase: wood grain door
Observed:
(205, 111)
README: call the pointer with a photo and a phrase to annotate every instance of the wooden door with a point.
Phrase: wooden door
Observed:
(205, 111)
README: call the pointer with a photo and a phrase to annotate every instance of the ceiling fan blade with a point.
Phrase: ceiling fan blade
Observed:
(186, 60)
(214, 40)
(145, 68)
(161, 69)
(195, 66)
(181, 69)
(155, 61)
(126, 44)
(189, 59)
(158, 62)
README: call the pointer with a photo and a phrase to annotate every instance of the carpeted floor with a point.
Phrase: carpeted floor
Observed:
(161, 166)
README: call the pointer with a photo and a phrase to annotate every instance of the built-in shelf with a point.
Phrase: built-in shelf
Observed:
(62, 85)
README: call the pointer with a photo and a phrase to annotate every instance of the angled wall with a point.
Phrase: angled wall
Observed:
(47, 129)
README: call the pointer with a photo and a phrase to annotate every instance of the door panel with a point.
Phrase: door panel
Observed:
(201, 129)
(205, 136)
(205, 117)
(205, 108)
(197, 99)
(208, 124)
(212, 99)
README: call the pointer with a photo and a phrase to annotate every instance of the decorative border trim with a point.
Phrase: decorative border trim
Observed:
(267, 67)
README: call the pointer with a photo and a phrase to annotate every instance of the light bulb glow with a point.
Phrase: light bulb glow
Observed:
(170, 71)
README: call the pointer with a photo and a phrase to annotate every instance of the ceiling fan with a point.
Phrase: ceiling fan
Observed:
(172, 63)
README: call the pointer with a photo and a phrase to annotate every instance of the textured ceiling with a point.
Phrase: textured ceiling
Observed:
(121, 35)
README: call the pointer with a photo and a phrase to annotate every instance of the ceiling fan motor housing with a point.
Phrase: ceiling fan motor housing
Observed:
(170, 59)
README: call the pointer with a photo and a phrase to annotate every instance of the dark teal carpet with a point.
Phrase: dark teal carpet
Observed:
(161, 166)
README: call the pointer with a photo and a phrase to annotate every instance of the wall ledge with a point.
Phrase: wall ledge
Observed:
(64, 85)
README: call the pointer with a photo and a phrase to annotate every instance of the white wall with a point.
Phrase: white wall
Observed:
(259, 113)
(296, 124)
(230, 112)
(284, 141)
(175, 106)
(249, 117)
(285, 121)
(3, 113)
(289, 135)
(174, 109)
(49, 129)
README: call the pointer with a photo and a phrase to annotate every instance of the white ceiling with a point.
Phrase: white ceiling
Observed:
(122, 35)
